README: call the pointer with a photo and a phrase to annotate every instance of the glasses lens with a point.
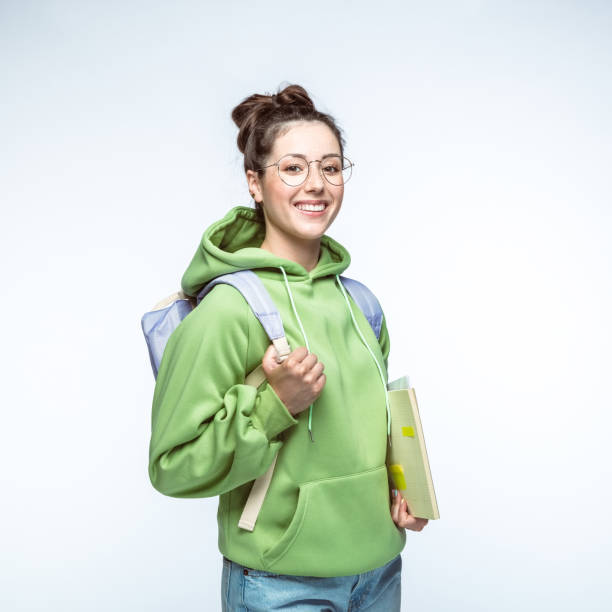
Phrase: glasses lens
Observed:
(292, 170)
(337, 170)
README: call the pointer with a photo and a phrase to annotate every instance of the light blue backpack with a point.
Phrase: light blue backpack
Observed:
(159, 323)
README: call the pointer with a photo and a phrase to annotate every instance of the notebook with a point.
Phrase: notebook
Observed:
(407, 461)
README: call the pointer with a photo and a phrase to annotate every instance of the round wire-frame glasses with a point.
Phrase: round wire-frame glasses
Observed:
(294, 169)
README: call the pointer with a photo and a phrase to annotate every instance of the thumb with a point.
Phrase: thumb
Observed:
(269, 362)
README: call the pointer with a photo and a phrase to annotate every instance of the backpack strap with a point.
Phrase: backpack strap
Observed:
(159, 323)
(254, 292)
(366, 301)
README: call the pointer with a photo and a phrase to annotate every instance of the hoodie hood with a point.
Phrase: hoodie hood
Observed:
(233, 243)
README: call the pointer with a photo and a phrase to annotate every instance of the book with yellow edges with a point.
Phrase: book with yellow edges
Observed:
(407, 460)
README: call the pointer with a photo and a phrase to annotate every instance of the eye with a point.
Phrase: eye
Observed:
(292, 165)
(330, 170)
(331, 166)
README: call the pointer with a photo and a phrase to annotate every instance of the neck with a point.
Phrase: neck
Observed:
(304, 252)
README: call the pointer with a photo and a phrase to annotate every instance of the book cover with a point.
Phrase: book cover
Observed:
(407, 460)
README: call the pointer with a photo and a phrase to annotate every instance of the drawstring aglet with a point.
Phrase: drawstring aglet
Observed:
(310, 433)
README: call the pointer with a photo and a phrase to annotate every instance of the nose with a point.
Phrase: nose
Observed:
(314, 180)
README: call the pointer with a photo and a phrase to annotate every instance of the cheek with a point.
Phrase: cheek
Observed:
(339, 195)
(281, 194)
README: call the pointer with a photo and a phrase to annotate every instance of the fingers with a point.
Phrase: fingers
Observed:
(314, 373)
(293, 360)
(304, 364)
(395, 506)
(296, 356)
(318, 386)
(402, 517)
(298, 380)
(308, 363)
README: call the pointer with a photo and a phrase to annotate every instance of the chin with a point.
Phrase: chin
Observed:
(312, 231)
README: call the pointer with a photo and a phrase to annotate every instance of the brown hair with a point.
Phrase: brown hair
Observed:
(262, 118)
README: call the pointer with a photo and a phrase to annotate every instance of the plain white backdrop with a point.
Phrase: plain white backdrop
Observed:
(479, 212)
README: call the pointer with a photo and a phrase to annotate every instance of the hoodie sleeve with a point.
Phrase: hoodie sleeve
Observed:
(211, 432)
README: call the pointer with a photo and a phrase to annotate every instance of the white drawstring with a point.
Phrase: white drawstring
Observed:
(382, 377)
(297, 316)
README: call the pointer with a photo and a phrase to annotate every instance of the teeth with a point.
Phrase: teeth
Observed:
(311, 207)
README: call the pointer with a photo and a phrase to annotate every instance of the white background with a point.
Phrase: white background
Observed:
(479, 213)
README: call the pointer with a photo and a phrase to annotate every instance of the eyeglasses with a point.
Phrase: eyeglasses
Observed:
(293, 170)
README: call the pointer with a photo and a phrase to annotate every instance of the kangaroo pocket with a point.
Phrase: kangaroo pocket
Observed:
(341, 526)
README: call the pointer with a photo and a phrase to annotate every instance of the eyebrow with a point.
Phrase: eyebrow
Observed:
(304, 157)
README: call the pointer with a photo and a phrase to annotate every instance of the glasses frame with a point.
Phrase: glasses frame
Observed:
(351, 165)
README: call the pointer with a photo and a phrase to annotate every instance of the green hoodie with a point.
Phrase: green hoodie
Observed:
(327, 511)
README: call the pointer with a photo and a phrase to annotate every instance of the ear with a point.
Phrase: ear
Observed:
(254, 185)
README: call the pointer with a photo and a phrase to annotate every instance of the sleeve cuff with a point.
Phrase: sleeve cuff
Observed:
(270, 415)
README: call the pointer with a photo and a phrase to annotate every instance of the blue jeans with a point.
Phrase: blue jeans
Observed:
(248, 590)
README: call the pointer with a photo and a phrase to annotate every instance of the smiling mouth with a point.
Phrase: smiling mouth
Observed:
(311, 207)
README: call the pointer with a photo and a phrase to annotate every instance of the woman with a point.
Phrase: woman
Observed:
(327, 535)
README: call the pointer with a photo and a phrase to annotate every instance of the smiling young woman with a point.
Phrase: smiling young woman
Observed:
(297, 217)
(329, 534)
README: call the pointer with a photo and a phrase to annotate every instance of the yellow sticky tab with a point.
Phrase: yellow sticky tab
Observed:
(408, 431)
(397, 473)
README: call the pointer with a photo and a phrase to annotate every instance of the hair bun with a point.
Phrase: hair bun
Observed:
(252, 109)
(294, 94)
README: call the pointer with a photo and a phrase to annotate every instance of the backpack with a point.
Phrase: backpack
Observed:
(159, 323)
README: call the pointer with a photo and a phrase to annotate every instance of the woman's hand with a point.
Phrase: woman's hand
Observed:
(401, 515)
(298, 380)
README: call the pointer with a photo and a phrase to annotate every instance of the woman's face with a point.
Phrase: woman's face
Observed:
(284, 219)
